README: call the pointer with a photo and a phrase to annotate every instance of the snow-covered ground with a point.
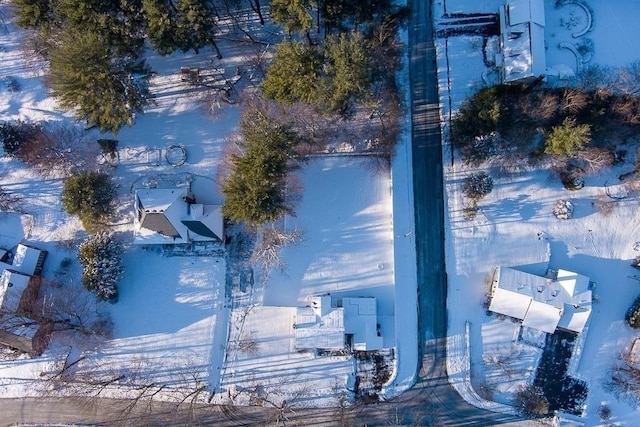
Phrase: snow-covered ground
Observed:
(172, 320)
(515, 225)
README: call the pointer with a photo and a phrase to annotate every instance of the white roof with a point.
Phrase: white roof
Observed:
(543, 317)
(543, 303)
(522, 37)
(12, 286)
(314, 331)
(509, 303)
(26, 259)
(360, 319)
(192, 222)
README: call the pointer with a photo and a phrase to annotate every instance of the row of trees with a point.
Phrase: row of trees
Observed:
(90, 196)
(328, 76)
(351, 63)
(95, 49)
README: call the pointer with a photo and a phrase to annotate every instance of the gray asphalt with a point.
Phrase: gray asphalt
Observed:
(432, 401)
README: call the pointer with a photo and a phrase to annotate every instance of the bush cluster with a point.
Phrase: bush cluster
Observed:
(100, 256)
(478, 185)
(14, 134)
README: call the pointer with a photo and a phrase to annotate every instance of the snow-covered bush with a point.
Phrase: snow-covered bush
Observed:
(563, 209)
(100, 256)
(633, 314)
(478, 185)
(14, 133)
(531, 401)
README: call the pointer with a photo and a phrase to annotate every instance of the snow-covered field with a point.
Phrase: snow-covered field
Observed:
(515, 225)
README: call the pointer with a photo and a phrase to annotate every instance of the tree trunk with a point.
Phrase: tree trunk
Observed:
(255, 5)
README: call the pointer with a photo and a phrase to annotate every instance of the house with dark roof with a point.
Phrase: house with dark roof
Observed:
(172, 216)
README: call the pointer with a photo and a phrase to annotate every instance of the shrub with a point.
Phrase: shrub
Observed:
(13, 134)
(531, 401)
(633, 314)
(572, 178)
(478, 185)
(108, 146)
(567, 138)
(101, 261)
(89, 195)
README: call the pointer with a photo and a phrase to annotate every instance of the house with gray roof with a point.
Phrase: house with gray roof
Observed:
(172, 216)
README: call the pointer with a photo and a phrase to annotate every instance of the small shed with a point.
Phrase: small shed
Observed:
(29, 260)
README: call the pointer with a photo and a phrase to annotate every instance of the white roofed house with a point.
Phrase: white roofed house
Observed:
(328, 324)
(522, 40)
(18, 293)
(172, 216)
(546, 304)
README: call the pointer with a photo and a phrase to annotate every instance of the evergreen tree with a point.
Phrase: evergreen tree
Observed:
(568, 138)
(293, 15)
(348, 70)
(100, 257)
(161, 25)
(33, 13)
(255, 190)
(105, 89)
(295, 75)
(196, 25)
(118, 23)
(89, 195)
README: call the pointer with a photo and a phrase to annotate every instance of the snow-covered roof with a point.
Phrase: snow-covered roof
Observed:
(12, 287)
(320, 331)
(27, 260)
(525, 11)
(360, 319)
(170, 215)
(522, 38)
(543, 317)
(543, 303)
(323, 325)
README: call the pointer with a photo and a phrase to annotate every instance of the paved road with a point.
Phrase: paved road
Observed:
(432, 401)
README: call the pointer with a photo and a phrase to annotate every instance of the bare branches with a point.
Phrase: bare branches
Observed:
(267, 252)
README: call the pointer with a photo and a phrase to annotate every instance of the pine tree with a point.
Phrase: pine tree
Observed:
(196, 25)
(89, 195)
(161, 25)
(295, 75)
(255, 190)
(348, 70)
(32, 13)
(568, 138)
(293, 15)
(105, 89)
(100, 256)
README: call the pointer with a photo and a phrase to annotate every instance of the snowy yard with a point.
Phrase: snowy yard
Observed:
(515, 225)
(169, 330)
(170, 325)
(346, 250)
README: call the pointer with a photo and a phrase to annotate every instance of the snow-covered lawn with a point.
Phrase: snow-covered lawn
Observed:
(515, 227)
(345, 249)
